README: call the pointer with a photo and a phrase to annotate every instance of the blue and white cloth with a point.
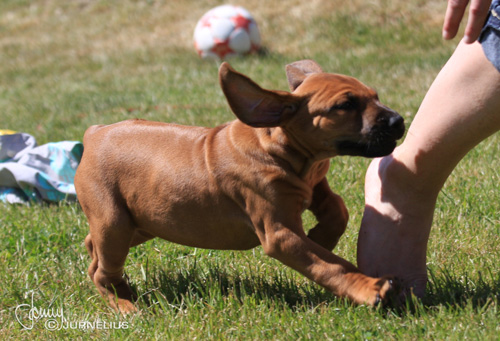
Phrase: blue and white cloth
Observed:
(37, 173)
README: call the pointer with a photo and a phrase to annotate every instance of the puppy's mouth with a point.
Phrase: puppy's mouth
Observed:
(380, 141)
(366, 149)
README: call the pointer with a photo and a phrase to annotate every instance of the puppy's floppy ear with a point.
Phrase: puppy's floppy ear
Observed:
(298, 71)
(253, 105)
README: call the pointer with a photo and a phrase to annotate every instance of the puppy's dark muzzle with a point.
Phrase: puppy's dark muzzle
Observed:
(379, 141)
(392, 125)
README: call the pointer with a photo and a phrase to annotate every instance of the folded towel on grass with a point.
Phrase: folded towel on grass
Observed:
(37, 173)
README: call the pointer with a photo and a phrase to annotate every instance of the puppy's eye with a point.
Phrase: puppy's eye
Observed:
(346, 105)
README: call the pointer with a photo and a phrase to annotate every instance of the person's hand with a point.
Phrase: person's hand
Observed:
(454, 14)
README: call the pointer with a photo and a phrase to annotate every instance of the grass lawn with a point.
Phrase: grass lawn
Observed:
(66, 65)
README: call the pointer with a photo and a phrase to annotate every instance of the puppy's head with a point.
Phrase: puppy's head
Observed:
(324, 115)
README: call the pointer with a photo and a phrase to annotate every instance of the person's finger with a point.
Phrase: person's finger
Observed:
(454, 14)
(478, 12)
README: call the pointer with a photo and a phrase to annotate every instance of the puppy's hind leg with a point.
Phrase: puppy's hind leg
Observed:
(90, 249)
(109, 243)
(331, 214)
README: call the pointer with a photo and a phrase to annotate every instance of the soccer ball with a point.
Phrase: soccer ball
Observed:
(226, 31)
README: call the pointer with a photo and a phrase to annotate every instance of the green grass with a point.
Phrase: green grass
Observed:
(67, 65)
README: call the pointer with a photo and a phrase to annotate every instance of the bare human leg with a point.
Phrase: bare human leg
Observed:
(461, 109)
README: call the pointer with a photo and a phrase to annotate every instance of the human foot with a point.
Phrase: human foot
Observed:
(396, 224)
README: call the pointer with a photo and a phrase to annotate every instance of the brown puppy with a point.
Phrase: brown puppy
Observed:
(239, 185)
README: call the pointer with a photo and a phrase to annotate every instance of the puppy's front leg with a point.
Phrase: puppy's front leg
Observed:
(283, 238)
(331, 214)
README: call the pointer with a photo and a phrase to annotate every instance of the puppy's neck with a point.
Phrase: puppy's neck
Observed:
(305, 163)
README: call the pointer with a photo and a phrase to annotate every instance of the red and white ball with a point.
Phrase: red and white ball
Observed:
(226, 31)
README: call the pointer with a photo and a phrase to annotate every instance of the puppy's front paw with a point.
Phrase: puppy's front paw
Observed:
(372, 291)
(387, 290)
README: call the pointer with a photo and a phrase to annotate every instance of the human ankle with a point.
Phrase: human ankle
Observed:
(402, 179)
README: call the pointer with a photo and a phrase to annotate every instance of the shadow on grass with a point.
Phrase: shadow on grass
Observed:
(460, 291)
(453, 293)
(180, 287)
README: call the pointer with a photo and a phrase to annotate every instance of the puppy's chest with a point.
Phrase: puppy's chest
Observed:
(316, 172)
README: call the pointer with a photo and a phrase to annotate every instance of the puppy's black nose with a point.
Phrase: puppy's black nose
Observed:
(392, 123)
(395, 121)
(397, 125)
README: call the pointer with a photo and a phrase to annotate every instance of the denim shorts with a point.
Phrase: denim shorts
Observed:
(490, 36)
